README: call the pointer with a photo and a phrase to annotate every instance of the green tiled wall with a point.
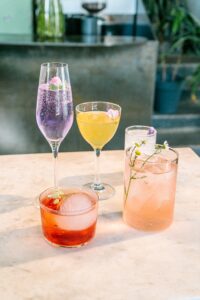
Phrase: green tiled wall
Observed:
(16, 17)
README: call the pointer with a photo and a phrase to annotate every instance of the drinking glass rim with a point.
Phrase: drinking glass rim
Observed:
(140, 127)
(97, 102)
(73, 213)
(160, 163)
(55, 63)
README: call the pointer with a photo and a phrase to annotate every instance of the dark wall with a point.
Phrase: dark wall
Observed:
(123, 74)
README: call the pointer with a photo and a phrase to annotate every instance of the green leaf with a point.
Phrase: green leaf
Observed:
(53, 87)
(56, 201)
(56, 194)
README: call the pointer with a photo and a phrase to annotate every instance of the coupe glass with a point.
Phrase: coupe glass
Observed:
(98, 122)
(54, 112)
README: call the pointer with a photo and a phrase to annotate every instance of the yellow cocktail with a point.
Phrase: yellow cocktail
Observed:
(98, 127)
(98, 122)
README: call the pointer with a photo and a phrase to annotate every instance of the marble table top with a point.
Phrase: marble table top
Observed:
(120, 263)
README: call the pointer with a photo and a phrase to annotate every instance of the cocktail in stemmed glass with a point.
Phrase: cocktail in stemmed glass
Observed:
(54, 112)
(98, 122)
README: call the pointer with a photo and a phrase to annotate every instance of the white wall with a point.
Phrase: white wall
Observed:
(113, 7)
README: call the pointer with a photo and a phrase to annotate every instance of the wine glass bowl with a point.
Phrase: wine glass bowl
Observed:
(98, 122)
(54, 102)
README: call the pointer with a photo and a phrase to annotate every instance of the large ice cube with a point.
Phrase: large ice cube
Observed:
(78, 215)
(75, 202)
(158, 165)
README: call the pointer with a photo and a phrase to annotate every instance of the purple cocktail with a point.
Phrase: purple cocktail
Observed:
(54, 112)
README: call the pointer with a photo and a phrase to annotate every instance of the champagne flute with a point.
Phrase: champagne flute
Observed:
(54, 112)
(98, 122)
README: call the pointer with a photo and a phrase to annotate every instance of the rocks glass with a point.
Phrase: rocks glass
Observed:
(149, 189)
(68, 216)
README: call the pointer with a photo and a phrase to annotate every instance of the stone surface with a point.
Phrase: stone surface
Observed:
(120, 263)
(121, 72)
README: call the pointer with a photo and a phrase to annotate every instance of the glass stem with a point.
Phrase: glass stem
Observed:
(55, 172)
(97, 180)
(55, 147)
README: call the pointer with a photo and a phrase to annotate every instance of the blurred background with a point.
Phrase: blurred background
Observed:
(143, 55)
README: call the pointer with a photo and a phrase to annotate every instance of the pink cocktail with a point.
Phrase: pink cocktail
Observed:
(150, 185)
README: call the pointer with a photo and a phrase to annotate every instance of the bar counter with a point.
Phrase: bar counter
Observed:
(71, 41)
(120, 263)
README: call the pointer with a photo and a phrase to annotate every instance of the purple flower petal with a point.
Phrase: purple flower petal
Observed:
(113, 113)
(56, 81)
(151, 131)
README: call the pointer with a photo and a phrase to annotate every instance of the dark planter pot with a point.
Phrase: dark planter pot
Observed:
(167, 96)
(127, 30)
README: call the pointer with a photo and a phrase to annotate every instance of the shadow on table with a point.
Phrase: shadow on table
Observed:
(12, 202)
(23, 245)
(115, 179)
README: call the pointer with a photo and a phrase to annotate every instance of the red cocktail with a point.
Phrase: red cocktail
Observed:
(68, 216)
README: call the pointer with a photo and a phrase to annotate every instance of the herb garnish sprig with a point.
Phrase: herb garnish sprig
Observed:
(136, 152)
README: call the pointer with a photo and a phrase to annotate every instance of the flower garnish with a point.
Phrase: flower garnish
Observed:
(166, 145)
(55, 83)
(113, 113)
(56, 201)
(160, 147)
(56, 195)
(137, 145)
(136, 151)
(151, 131)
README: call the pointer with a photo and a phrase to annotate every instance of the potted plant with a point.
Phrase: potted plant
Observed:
(168, 90)
(178, 34)
(193, 82)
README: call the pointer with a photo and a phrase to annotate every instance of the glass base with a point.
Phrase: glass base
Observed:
(147, 225)
(104, 190)
(67, 246)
